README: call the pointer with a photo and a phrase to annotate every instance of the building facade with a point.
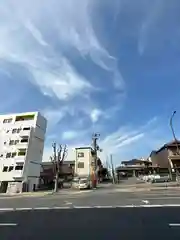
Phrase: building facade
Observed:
(84, 161)
(85, 164)
(21, 149)
(167, 157)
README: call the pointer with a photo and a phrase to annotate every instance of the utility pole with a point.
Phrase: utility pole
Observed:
(112, 167)
(173, 132)
(96, 148)
(55, 166)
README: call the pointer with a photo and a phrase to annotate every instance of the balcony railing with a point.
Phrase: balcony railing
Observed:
(19, 159)
(17, 174)
(22, 144)
(24, 133)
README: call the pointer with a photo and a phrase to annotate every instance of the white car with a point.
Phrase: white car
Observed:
(84, 183)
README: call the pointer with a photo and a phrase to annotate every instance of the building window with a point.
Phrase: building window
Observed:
(80, 154)
(11, 168)
(8, 155)
(1, 155)
(19, 167)
(7, 131)
(80, 165)
(5, 168)
(13, 154)
(26, 128)
(24, 140)
(4, 143)
(11, 142)
(9, 120)
(16, 142)
(16, 130)
(25, 117)
(22, 153)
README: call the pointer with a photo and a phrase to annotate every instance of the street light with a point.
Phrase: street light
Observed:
(173, 132)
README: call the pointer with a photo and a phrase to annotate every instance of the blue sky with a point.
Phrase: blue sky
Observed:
(93, 65)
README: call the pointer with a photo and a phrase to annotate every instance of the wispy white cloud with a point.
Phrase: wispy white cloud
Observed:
(152, 14)
(95, 114)
(125, 137)
(24, 40)
(69, 135)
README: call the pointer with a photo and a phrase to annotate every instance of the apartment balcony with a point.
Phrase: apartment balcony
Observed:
(24, 133)
(19, 159)
(22, 145)
(18, 174)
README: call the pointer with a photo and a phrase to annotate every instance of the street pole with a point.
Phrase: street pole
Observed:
(112, 167)
(56, 167)
(173, 132)
(95, 148)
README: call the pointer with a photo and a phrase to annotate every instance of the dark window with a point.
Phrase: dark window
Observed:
(11, 168)
(7, 120)
(8, 155)
(5, 168)
(25, 117)
(1, 155)
(26, 128)
(80, 165)
(24, 140)
(19, 167)
(13, 154)
(80, 154)
(21, 153)
(14, 130)
(18, 130)
(11, 142)
(4, 143)
(16, 142)
(7, 131)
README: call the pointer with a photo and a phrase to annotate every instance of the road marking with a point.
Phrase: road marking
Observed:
(6, 209)
(22, 209)
(42, 208)
(145, 201)
(174, 224)
(61, 207)
(95, 206)
(67, 203)
(81, 207)
(8, 224)
(105, 206)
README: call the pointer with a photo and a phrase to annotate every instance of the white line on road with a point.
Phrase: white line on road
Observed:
(60, 208)
(42, 208)
(22, 209)
(8, 224)
(95, 206)
(145, 201)
(6, 209)
(81, 207)
(67, 203)
(174, 224)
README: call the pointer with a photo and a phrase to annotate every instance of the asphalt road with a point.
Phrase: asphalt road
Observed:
(112, 223)
(91, 199)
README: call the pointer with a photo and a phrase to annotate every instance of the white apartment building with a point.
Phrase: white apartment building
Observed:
(84, 161)
(21, 149)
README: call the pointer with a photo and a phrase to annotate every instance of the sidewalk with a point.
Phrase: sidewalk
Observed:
(25, 194)
(43, 193)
